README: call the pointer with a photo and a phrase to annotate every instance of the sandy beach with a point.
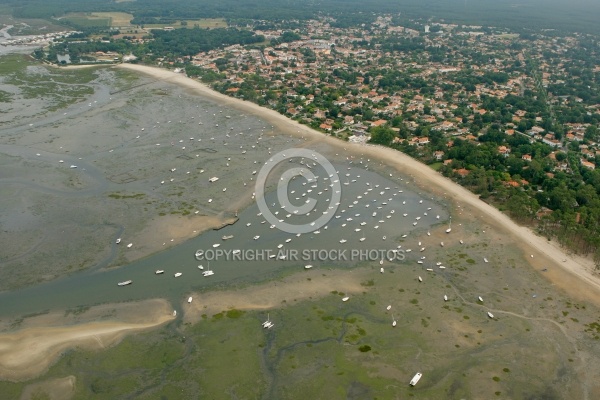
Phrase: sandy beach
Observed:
(587, 284)
(37, 344)
(28, 352)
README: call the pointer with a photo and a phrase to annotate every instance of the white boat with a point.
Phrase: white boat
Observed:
(430, 269)
(189, 299)
(420, 279)
(480, 299)
(129, 245)
(415, 379)
(449, 226)
(125, 283)
(308, 266)
(73, 166)
(216, 245)
(485, 259)
(381, 270)
(208, 272)
(256, 237)
(199, 253)
(445, 298)
(362, 239)
(389, 307)
(177, 274)
(393, 321)
(343, 241)
(159, 271)
(490, 315)
(267, 322)
(118, 241)
(226, 237)
(213, 179)
(345, 298)
(174, 313)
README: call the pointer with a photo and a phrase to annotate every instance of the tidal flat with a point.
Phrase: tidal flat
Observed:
(56, 220)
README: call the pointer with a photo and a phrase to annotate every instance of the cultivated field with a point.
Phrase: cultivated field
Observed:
(116, 18)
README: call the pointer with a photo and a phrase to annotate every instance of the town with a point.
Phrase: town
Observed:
(512, 116)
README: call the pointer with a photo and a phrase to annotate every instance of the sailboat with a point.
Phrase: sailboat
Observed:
(268, 324)
(208, 271)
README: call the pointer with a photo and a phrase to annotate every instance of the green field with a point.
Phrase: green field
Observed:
(86, 21)
(203, 23)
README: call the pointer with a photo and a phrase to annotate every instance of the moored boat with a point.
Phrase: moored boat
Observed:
(159, 271)
(415, 379)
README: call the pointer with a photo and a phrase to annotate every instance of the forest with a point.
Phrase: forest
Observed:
(575, 15)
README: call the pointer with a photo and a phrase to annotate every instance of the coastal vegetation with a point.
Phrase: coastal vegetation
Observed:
(325, 347)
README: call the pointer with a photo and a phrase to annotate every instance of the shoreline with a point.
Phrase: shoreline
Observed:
(532, 244)
(31, 350)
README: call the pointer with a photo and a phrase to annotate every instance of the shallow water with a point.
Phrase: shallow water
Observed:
(321, 250)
